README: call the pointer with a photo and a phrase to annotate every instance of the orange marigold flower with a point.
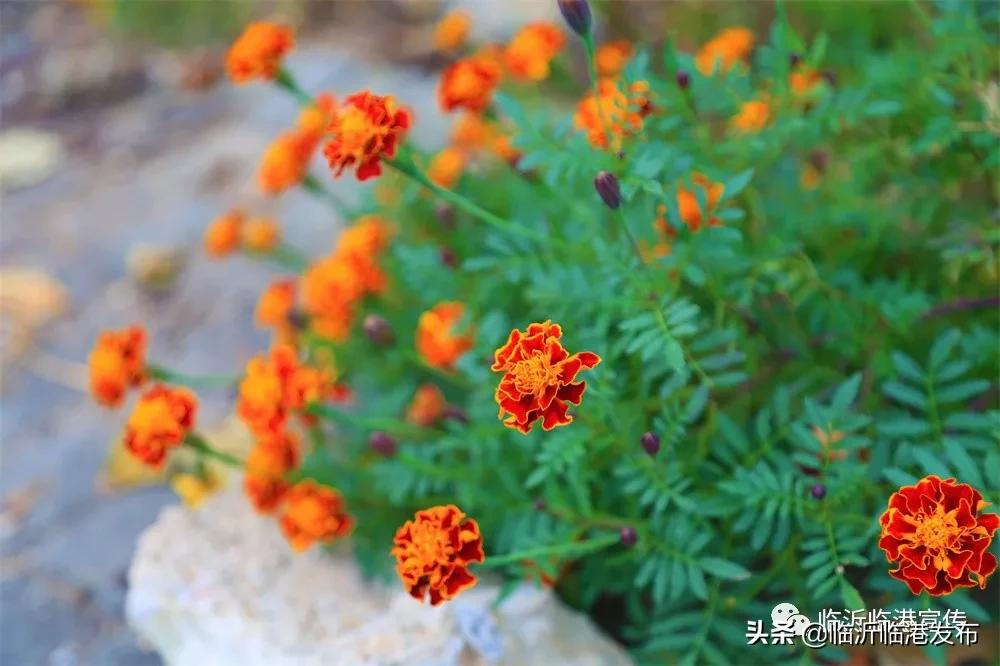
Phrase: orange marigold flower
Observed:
(314, 513)
(437, 341)
(434, 550)
(446, 167)
(473, 133)
(729, 47)
(286, 161)
(368, 236)
(331, 288)
(935, 533)
(753, 116)
(272, 457)
(452, 30)
(365, 129)
(316, 117)
(160, 421)
(275, 385)
(427, 406)
(223, 235)
(690, 210)
(532, 49)
(261, 234)
(275, 304)
(258, 52)
(469, 83)
(116, 363)
(539, 377)
(612, 57)
(804, 79)
(612, 112)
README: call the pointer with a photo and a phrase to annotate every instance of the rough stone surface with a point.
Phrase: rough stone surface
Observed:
(221, 586)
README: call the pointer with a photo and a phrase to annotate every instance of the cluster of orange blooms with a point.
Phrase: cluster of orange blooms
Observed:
(235, 229)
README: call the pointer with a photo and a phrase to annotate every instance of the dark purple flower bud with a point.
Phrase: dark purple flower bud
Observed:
(378, 330)
(448, 257)
(683, 79)
(819, 159)
(455, 413)
(298, 319)
(818, 491)
(446, 216)
(651, 442)
(606, 185)
(577, 15)
(628, 536)
(794, 59)
(540, 504)
(382, 444)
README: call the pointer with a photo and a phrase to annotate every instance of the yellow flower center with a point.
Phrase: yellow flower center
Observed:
(430, 544)
(937, 530)
(533, 374)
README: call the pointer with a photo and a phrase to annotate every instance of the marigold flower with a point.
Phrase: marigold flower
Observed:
(473, 133)
(434, 550)
(194, 489)
(539, 377)
(272, 457)
(753, 116)
(690, 210)
(314, 513)
(116, 363)
(452, 30)
(935, 533)
(612, 112)
(330, 290)
(275, 385)
(612, 57)
(803, 79)
(437, 341)
(469, 83)
(729, 47)
(286, 161)
(159, 422)
(258, 52)
(428, 405)
(366, 129)
(446, 167)
(275, 304)
(223, 235)
(316, 117)
(532, 49)
(260, 234)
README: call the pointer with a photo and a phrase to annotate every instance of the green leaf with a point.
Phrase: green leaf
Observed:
(736, 184)
(851, 596)
(882, 108)
(721, 568)
(905, 395)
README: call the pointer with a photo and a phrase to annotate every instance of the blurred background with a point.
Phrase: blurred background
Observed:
(120, 141)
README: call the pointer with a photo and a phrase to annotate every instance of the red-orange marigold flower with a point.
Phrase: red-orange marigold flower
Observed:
(365, 129)
(612, 112)
(936, 534)
(427, 406)
(753, 116)
(159, 422)
(532, 49)
(690, 210)
(258, 52)
(470, 83)
(446, 167)
(437, 341)
(286, 161)
(314, 513)
(452, 30)
(539, 377)
(729, 47)
(261, 234)
(434, 550)
(275, 385)
(116, 363)
(330, 290)
(275, 304)
(804, 79)
(223, 235)
(612, 57)
(272, 457)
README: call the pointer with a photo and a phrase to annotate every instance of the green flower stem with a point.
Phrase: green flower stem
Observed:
(410, 170)
(198, 443)
(285, 80)
(576, 548)
(313, 186)
(194, 381)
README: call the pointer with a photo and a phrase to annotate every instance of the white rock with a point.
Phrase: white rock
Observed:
(220, 586)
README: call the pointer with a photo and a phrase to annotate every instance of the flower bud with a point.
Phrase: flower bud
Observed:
(794, 59)
(683, 79)
(446, 216)
(818, 491)
(606, 185)
(298, 319)
(577, 15)
(628, 536)
(378, 330)
(382, 444)
(651, 442)
(540, 504)
(454, 413)
(830, 76)
(448, 257)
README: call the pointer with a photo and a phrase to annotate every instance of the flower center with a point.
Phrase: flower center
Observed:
(938, 530)
(533, 374)
(431, 545)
